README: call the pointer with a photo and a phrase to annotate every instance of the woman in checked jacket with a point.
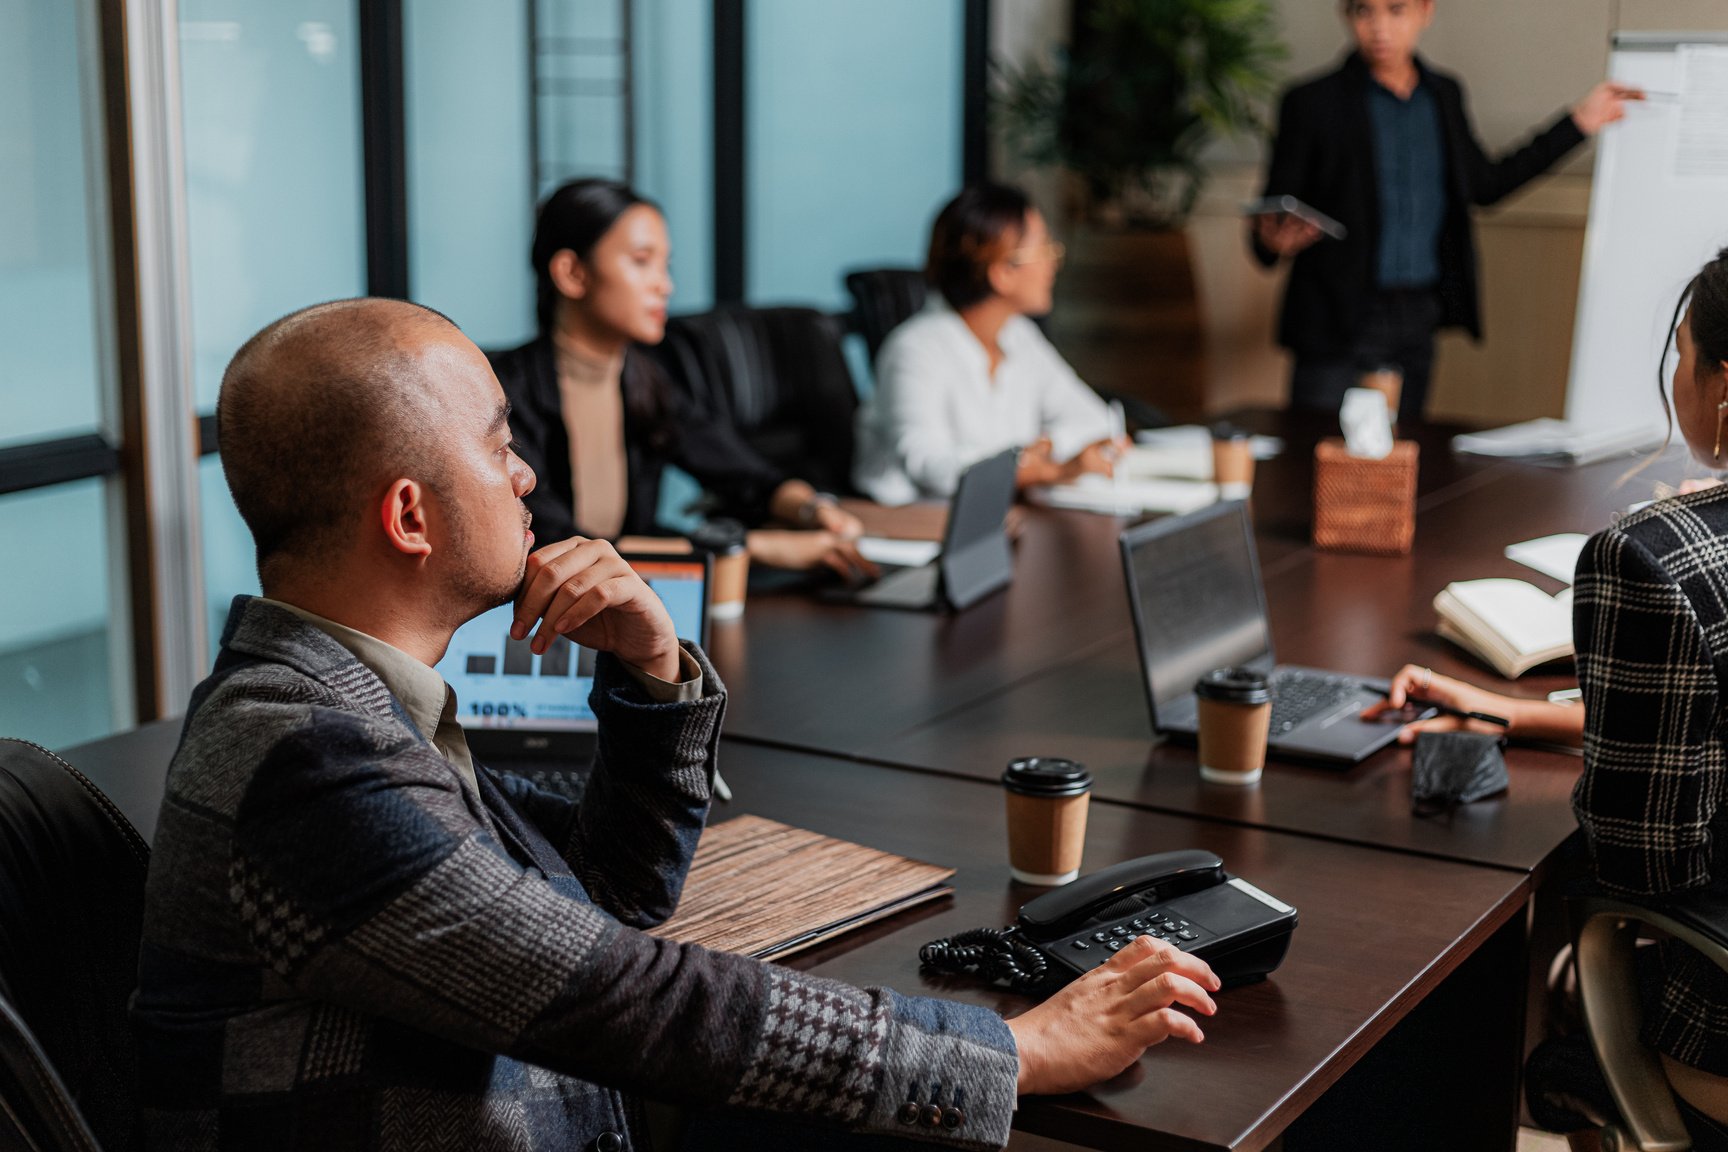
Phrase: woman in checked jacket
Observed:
(1650, 623)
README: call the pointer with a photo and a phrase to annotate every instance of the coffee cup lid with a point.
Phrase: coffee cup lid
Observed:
(1047, 776)
(721, 536)
(1234, 686)
(1224, 430)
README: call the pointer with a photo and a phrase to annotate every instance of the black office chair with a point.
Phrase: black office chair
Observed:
(1608, 930)
(779, 376)
(882, 300)
(71, 909)
(885, 298)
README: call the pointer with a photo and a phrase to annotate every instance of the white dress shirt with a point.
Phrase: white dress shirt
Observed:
(938, 410)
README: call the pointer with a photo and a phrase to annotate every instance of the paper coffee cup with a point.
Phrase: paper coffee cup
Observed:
(731, 578)
(1047, 798)
(1235, 718)
(1233, 464)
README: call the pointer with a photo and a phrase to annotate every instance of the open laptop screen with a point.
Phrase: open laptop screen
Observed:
(1195, 588)
(501, 683)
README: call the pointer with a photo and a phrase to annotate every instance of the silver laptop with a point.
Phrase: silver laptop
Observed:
(975, 559)
(1195, 594)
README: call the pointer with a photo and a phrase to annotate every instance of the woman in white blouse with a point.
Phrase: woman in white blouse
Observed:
(971, 375)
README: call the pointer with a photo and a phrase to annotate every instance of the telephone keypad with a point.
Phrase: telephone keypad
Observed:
(1113, 937)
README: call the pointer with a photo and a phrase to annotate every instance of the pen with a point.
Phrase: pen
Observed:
(1447, 709)
(1118, 433)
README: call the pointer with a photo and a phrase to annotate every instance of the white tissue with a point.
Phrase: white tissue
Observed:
(1367, 423)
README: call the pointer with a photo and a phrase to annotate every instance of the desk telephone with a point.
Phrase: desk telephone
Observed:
(1186, 898)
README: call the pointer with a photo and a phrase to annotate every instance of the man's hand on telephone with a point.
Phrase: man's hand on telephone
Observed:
(583, 589)
(1100, 1024)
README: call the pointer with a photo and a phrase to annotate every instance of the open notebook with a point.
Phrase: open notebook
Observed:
(767, 890)
(1511, 625)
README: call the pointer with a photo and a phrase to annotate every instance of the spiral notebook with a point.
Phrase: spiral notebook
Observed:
(763, 889)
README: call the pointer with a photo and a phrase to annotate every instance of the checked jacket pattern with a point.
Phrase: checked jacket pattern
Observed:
(1650, 622)
(347, 945)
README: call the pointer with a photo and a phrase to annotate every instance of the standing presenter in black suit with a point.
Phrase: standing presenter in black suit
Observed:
(1384, 145)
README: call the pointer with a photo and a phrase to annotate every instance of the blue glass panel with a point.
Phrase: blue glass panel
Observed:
(673, 46)
(853, 138)
(57, 640)
(275, 203)
(470, 194)
(49, 340)
(271, 91)
(580, 90)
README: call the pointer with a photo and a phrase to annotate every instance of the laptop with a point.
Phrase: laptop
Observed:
(517, 706)
(975, 559)
(1195, 595)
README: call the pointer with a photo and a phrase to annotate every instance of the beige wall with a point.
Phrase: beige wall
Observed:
(1672, 16)
(1522, 62)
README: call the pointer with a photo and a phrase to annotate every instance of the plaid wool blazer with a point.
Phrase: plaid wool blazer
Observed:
(349, 946)
(1650, 621)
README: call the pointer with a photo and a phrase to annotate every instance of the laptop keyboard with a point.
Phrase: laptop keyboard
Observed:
(1296, 696)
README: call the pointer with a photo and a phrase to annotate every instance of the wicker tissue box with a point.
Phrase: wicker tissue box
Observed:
(1363, 505)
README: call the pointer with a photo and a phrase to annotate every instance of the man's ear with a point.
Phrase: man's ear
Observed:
(998, 276)
(405, 521)
(568, 274)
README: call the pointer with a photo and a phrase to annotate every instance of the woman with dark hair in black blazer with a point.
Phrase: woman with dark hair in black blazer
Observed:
(1384, 145)
(598, 422)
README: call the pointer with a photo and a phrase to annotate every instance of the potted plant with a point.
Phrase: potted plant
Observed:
(1127, 112)
(1143, 88)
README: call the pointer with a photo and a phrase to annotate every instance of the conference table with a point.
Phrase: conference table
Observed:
(1049, 667)
(891, 728)
(1375, 982)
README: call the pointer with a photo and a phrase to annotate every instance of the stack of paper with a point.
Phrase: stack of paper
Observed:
(1549, 441)
(1184, 452)
(1555, 556)
(1122, 497)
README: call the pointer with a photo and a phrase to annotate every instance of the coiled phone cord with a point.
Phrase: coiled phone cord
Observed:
(996, 954)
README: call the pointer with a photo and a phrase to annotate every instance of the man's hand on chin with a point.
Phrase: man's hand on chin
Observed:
(583, 589)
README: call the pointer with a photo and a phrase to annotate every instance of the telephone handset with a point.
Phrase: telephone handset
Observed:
(1185, 897)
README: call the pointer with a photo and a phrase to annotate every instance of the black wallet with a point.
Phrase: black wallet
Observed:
(1453, 768)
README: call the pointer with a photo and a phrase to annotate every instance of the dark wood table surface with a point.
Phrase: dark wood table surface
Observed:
(1375, 938)
(1413, 955)
(1353, 613)
(1365, 955)
(838, 678)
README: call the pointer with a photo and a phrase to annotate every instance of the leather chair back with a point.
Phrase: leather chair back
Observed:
(71, 910)
(779, 376)
(883, 299)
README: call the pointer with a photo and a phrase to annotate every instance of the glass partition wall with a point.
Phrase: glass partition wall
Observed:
(280, 153)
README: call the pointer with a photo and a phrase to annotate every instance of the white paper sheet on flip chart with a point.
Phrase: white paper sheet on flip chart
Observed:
(1701, 143)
